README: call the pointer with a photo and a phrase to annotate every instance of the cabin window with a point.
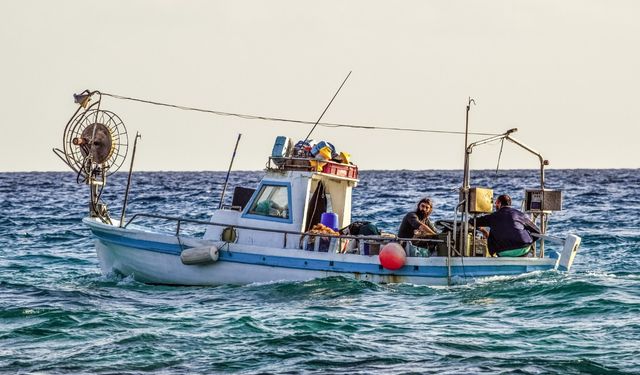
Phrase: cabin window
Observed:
(271, 201)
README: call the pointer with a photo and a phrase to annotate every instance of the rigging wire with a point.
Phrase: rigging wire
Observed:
(278, 119)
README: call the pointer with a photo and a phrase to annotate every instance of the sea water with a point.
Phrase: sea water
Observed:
(60, 314)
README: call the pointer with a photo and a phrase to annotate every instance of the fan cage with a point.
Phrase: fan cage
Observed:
(77, 157)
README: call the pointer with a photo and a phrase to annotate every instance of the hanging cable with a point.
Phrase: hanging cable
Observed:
(266, 118)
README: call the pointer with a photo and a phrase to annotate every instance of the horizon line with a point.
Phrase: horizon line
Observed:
(359, 170)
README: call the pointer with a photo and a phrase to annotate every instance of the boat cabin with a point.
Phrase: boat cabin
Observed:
(290, 199)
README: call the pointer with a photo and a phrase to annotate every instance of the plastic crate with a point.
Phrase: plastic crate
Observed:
(342, 170)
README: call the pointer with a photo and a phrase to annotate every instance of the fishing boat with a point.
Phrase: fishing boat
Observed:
(295, 224)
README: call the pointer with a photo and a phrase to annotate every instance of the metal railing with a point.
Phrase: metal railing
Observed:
(341, 237)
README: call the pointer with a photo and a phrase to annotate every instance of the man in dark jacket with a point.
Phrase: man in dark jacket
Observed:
(511, 229)
(418, 225)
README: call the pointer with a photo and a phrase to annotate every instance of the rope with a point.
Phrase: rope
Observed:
(266, 118)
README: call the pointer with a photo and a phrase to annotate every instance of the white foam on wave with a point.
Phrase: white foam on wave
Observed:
(600, 275)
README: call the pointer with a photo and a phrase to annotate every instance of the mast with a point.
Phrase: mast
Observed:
(464, 196)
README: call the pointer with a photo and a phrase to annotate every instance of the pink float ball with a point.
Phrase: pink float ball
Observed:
(392, 256)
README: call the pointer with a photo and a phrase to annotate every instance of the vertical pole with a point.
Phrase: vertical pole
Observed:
(543, 228)
(465, 183)
(126, 191)
(226, 180)
(449, 256)
(93, 199)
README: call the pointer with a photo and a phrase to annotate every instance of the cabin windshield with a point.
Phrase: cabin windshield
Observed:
(273, 201)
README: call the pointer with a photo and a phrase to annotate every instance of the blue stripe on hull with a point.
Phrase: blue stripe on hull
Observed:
(410, 270)
(158, 247)
(326, 265)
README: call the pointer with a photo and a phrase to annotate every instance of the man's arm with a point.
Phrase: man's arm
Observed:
(482, 221)
(416, 224)
(425, 229)
(530, 226)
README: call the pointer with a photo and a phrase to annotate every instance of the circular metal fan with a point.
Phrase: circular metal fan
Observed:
(96, 139)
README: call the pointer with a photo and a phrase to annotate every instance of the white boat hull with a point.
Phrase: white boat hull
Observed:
(155, 258)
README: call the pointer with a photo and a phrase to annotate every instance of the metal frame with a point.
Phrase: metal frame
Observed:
(466, 186)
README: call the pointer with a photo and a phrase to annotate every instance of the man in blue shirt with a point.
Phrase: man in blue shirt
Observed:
(511, 229)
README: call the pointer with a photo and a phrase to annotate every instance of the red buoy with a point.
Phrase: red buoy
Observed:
(392, 256)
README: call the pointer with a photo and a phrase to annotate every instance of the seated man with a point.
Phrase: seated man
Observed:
(511, 229)
(417, 224)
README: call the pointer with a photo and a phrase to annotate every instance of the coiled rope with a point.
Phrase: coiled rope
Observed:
(277, 119)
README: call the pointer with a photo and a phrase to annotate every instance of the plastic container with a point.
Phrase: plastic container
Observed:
(280, 150)
(324, 154)
(330, 219)
(342, 170)
(320, 145)
(370, 247)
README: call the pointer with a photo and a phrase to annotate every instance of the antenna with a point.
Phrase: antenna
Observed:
(126, 191)
(325, 110)
(224, 188)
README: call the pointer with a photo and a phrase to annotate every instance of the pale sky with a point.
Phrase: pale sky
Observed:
(564, 72)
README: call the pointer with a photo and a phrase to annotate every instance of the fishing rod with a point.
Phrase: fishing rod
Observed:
(325, 110)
